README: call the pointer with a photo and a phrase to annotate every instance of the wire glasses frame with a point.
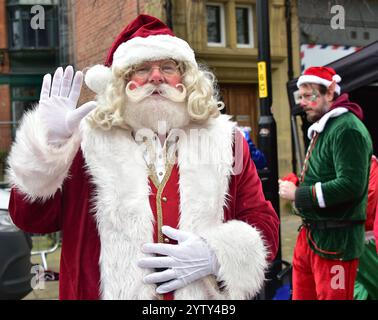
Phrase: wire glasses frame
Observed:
(167, 68)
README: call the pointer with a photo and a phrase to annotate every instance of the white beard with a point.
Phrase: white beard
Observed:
(156, 113)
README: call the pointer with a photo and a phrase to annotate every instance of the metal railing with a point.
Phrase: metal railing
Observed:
(45, 244)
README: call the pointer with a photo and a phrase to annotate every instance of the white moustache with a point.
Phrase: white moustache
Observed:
(136, 95)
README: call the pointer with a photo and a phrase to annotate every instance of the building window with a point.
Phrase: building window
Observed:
(23, 99)
(244, 26)
(215, 25)
(23, 36)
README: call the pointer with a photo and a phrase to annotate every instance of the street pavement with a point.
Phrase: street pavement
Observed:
(289, 231)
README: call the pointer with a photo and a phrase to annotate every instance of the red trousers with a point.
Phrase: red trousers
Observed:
(316, 278)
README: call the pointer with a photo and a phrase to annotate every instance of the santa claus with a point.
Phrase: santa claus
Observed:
(154, 191)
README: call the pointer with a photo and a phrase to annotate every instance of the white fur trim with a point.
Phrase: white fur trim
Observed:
(242, 257)
(319, 195)
(204, 182)
(203, 196)
(320, 124)
(315, 79)
(35, 167)
(154, 47)
(204, 175)
(123, 214)
(336, 78)
(97, 78)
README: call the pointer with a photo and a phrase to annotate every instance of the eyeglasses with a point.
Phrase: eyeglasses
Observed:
(167, 68)
(309, 97)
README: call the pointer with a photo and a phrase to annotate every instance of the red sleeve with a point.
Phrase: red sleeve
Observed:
(376, 227)
(38, 216)
(250, 204)
(372, 208)
(35, 217)
(372, 200)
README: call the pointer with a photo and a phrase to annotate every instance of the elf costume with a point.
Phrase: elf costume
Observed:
(331, 198)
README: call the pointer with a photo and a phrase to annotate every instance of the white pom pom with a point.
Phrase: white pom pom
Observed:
(336, 78)
(97, 78)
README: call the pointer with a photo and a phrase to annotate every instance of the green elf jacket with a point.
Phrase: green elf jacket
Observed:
(334, 184)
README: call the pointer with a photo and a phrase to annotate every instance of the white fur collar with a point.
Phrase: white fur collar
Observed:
(123, 214)
(319, 125)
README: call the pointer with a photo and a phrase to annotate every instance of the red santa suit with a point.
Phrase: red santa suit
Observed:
(99, 191)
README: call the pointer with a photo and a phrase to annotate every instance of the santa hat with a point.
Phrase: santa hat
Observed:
(320, 75)
(145, 39)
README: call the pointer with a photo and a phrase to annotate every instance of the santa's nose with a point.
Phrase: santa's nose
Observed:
(155, 76)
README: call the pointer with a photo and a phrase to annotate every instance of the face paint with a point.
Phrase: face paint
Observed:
(313, 97)
(313, 103)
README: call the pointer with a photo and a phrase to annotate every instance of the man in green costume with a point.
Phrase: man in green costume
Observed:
(332, 192)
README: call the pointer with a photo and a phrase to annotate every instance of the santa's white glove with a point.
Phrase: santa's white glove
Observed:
(57, 104)
(191, 259)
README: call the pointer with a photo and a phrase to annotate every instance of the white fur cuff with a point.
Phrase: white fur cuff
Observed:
(242, 258)
(319, 195)
(36, 168)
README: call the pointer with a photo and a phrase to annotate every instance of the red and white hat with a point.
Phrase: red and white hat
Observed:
(145, 39)
(320, 75)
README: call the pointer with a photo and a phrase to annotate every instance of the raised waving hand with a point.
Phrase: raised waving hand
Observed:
(57, 104)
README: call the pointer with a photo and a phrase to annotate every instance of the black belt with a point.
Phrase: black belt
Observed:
(322, 225)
